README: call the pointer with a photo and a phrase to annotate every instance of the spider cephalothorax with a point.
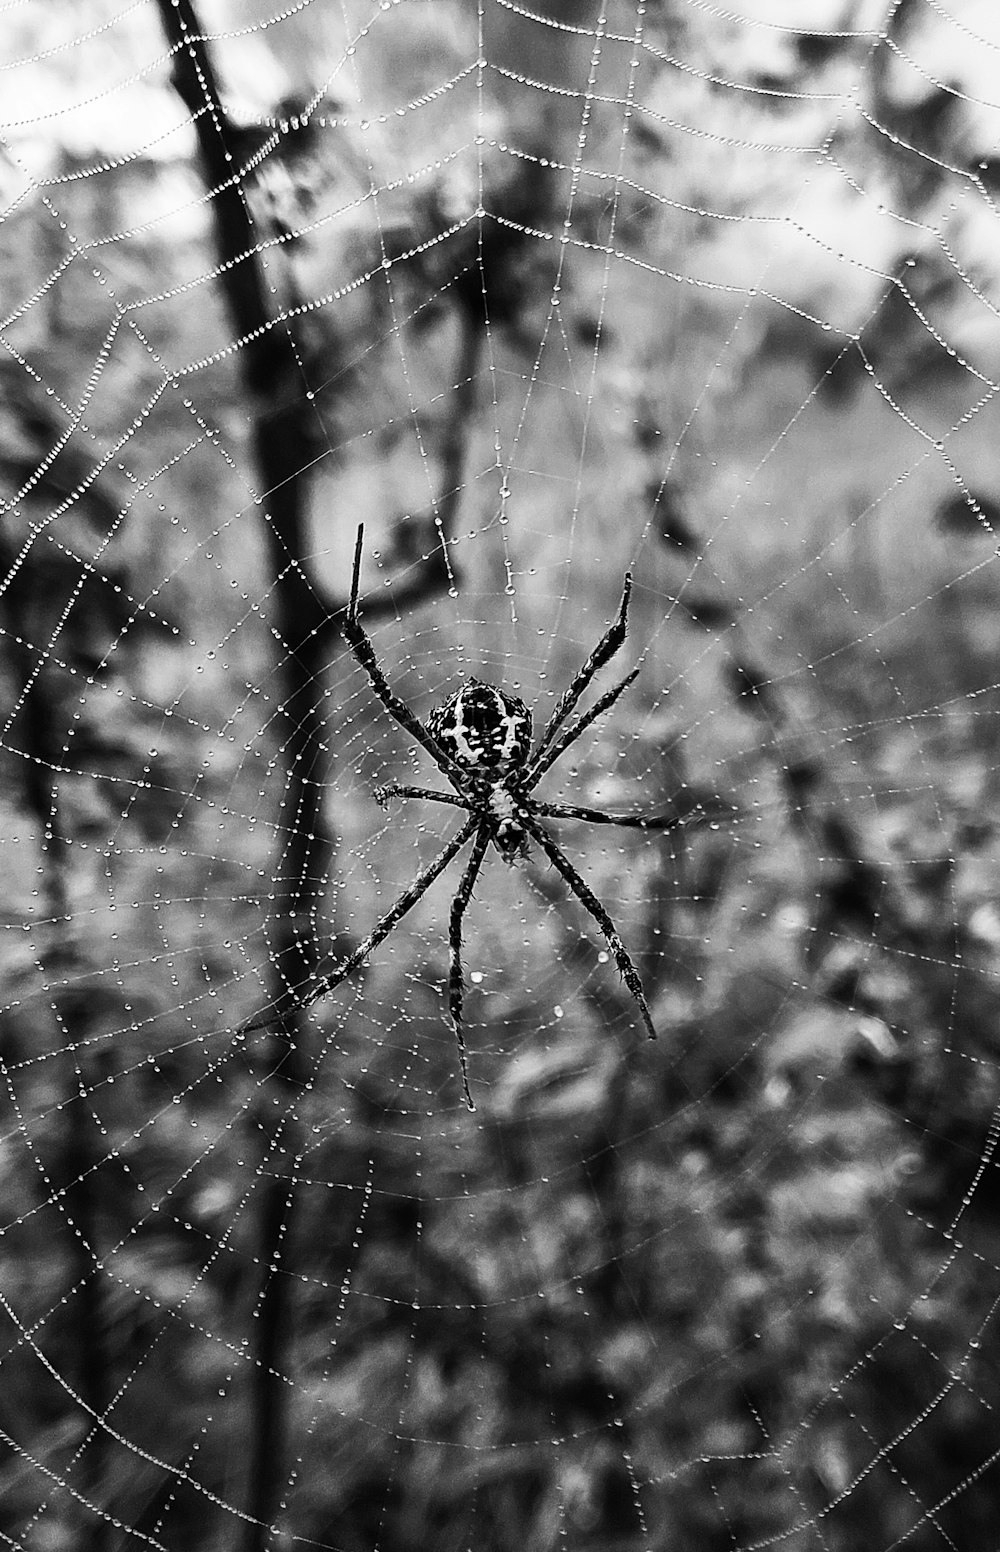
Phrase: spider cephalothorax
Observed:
(482, 728)
(480, 741)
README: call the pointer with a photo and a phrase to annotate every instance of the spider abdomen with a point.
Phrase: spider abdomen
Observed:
(482, 728)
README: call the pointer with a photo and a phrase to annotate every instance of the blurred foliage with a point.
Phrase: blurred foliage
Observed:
(733, 1289)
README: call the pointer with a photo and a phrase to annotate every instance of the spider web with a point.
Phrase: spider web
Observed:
(539, 295)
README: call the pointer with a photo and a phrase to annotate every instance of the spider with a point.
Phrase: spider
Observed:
(480, 741)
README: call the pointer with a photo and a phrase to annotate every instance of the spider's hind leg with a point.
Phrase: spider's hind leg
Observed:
(358, 641)
(605, 650)
(569, 735)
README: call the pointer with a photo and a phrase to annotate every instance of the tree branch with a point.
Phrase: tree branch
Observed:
(241, 277)
(304, 623)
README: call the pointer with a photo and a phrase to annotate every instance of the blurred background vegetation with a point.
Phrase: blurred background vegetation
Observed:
(538, 295)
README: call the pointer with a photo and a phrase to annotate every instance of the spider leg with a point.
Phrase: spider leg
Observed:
(602, 653)
(456, 981)
(680, 819)
(360, 645)
(590, 902)
(393, 790)
(315, 986)
(544, 757)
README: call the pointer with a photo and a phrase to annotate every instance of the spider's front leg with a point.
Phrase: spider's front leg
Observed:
(591, 904)
(307, 991)
(456, 980)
